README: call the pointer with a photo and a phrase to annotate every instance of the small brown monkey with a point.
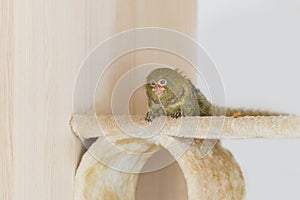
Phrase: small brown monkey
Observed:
(171, 94)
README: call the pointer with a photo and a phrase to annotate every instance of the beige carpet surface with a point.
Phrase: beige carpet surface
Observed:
(109, 169)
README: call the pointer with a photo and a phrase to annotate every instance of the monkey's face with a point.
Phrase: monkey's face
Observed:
(165, 83)
(158, 87)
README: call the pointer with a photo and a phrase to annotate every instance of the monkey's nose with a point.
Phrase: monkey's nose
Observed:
(158, 90)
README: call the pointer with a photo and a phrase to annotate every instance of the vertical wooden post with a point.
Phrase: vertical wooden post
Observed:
(6, 99)
(42, 45)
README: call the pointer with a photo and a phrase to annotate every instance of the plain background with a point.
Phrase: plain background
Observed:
(256, 48)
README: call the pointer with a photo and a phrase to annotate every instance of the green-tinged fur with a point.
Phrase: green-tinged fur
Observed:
(181, 98)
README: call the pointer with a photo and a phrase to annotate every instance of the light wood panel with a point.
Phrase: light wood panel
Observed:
(42, 46)
(6, 99)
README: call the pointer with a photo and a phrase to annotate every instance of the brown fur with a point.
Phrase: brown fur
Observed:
(182, 98)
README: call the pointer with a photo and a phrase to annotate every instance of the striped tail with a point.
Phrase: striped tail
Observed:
(240, 112)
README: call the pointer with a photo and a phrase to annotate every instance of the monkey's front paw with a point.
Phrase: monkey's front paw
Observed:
(155, 111)
(177, 115)
(149, 117)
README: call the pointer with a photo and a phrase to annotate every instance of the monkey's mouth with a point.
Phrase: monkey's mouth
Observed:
(158, 90)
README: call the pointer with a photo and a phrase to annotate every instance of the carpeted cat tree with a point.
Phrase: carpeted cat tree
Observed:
(209, 174)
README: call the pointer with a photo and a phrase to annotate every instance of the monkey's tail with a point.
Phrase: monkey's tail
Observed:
(240, 112)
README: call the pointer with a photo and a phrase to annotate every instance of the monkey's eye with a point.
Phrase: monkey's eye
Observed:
(162, 82)
(152, 83)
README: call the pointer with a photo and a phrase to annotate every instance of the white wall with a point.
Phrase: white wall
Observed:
(256, 45)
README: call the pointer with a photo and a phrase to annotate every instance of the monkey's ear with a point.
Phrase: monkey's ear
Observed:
(186, 77)
(177, 70)
(145, 85)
